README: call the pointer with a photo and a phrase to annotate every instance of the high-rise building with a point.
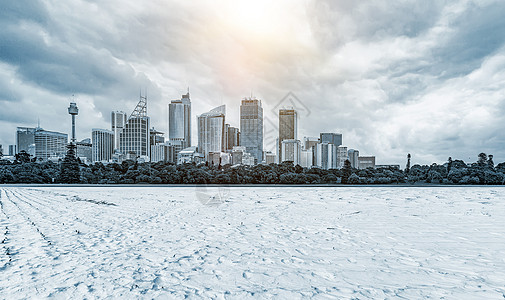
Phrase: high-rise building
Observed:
(331, 138)
(102, 141)
(232, 137)
(50, 144)
(251, 127)
(288, 125)
(342, 156)
(211, 127)
(291, 151)
(306, 158)
(365, 162)
(163, 152)
(12, 150)
(179, 123)
(325, 156)
(118, 121)
(353, 158)
(84, 151)
(25, 139)
(134, 138)
(1, 151)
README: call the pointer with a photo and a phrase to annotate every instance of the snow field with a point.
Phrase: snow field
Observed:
(263, 242)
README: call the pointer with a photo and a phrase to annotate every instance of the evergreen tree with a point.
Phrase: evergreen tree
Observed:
(69, 169)
(490, 161)
(482, 161)
(23, 157)
(407, 168)
(346, 171)
(449, 165)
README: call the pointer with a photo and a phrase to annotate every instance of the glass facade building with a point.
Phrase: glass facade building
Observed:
(331, 138)
(102, 141)
(179, 123)
(25, 140)
(118, 122)
(211, 127)
(50, 144)
(287, 128)
(251, 127)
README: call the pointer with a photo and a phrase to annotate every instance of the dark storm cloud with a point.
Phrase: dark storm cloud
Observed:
(475, 38)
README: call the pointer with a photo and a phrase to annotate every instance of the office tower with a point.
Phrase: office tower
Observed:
(342, 156)
(25, 138)
(251, 127)
(211, 131)
(309, 142)
(102, 141)
(353, 158)
(163, 152)
(325, 156)
(50, 144)
(365, 162)
(291, 150)
(331, 138)
(1, 151)
(84, 151)
(287, 128)
(134, 138)
(306, 158)
(12, 150)
(118, 121)
(179, 123)
(232, 137)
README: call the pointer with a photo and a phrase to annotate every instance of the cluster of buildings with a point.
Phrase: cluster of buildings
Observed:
(219, 143)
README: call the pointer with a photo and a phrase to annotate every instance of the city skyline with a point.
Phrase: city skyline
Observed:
(393, 78)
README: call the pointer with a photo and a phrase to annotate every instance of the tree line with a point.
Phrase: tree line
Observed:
(22, 170)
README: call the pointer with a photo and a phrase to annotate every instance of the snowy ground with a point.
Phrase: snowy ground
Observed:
(263, 242)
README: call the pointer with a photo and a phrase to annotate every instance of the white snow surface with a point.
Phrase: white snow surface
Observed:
(262, 242)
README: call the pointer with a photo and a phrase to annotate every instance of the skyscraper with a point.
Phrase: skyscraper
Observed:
(232, 137)
(25, 140)
(211, 131)
(134, 138)
(353, 158)
(287, 128)
(325, 156)
(342, 156)
(118, 121)
(179, 123)
(332, 138)
(102, 141)
(251, 127)
(50, 144)
(291, 150)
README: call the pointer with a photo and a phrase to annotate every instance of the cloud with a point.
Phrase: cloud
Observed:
(409, 76)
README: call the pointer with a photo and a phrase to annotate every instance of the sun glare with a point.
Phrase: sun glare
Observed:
(253, 17)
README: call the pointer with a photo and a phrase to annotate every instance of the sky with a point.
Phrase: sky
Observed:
(394, 77)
